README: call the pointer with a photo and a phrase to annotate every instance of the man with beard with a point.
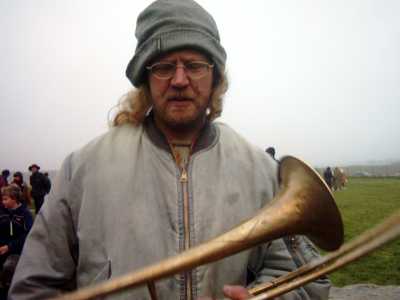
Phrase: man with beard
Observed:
(164, 179)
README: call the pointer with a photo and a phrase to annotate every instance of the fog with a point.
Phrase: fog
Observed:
(315, 79)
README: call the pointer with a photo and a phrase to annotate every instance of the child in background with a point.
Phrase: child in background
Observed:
(15, 223)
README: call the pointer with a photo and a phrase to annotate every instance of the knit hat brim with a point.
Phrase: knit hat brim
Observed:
(169, 41)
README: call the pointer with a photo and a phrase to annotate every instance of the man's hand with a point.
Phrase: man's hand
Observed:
(4, 249)
(233, 292)
(236, 292)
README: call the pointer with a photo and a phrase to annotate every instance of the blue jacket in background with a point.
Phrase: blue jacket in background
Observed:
(14, 227)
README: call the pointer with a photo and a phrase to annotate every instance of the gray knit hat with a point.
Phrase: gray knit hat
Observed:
(167, 25)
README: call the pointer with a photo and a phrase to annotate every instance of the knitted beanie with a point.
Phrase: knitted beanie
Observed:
(167, 25)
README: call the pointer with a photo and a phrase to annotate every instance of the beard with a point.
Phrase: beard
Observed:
(182, 120)
(184, 124)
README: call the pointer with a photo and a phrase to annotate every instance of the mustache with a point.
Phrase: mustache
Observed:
(179, 96)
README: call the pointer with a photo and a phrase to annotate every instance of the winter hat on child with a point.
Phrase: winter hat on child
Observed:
(167, 25)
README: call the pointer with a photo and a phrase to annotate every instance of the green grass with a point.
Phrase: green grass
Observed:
(364, 203)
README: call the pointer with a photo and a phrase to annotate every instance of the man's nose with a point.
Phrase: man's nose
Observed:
(180, 79)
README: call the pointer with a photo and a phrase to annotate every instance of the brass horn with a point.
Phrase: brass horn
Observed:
(304, 205)
(369, 241)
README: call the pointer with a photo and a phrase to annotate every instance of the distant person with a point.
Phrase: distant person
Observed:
(4, 178)
(271, 151)
(15, 223)
(328, 176)
(18, 179)
(40, 186)
(339, 179)
(49, 181)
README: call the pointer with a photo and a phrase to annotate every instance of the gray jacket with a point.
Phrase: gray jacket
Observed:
(117, 205)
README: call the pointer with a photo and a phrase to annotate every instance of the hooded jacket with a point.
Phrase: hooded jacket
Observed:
(122, 203)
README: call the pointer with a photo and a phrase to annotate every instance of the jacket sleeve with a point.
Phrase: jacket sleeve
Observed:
(286, 255)
(48, 261)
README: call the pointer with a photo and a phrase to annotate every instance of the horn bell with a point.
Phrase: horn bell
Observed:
(311, 204)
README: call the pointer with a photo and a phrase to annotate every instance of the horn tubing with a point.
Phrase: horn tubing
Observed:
(245, 236)
(286, 214)
(364, 238)
(369, 241)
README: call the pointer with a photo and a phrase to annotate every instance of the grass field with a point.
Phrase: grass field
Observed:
(364, 203)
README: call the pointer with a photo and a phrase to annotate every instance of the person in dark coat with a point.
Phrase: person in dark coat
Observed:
(328, 176)
(15, 223)
(40, 186)
(4, 178)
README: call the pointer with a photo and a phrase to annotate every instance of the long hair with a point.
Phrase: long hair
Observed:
(135, 105)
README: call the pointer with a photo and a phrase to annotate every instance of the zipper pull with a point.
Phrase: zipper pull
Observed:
(184, 176)
(11, 229)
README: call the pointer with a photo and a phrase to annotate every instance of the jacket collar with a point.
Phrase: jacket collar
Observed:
(207, 136)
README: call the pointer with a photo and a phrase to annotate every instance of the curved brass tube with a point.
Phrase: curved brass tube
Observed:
(364, 244)
(304, 205)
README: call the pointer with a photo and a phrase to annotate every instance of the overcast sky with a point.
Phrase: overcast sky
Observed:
(316, 79)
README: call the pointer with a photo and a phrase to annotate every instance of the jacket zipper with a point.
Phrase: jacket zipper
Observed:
(11, 228)
(182, 162)
(186, 223)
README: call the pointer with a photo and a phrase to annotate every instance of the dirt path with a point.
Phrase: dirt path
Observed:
(365, 292)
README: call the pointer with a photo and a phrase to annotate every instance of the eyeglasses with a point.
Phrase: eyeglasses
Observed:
(193, 69)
